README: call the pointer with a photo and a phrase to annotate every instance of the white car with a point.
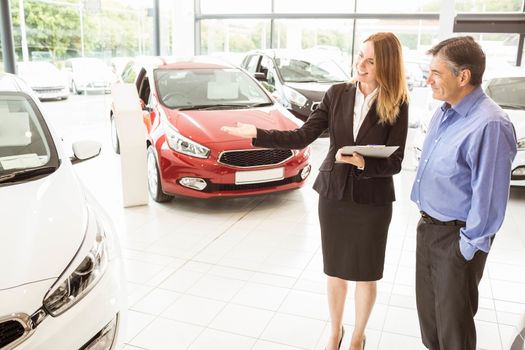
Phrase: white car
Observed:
(88, 75)
(509, 94)
(62, 285)
(45, 79)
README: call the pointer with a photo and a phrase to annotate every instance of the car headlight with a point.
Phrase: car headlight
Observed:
(294, 97)
(521, 144)
(184, 145)
(86, 275)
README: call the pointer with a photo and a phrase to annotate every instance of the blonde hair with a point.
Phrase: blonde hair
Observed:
(390, 75)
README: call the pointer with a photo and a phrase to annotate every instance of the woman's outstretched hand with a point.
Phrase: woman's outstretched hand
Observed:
(247, 131)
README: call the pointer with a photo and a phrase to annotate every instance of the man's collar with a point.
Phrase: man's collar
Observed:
(463, 107)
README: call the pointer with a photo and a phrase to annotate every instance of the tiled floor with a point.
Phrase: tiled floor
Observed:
(246, 273)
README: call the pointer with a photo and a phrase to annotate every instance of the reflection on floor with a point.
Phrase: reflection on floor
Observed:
(246, 273)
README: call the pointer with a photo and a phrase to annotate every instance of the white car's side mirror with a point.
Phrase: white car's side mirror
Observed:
(84, 150)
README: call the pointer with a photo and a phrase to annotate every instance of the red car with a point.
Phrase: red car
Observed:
(186, 103)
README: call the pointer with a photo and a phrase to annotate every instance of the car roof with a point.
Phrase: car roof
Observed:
(11, 83)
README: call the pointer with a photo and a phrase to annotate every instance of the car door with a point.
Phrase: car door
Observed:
(273, 82)
(250, 63)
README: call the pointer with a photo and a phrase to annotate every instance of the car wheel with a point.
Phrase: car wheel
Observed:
(114, 135)
(79, 92)
(154, 184)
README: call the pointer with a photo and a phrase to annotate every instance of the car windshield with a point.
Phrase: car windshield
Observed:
(201, 88)
(25, 142)
(507, 92)
(312, 69)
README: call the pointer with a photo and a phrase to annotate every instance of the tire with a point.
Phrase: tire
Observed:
(154, 183)
(114, 135)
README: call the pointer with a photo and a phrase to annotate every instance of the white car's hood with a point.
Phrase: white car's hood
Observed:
(42, 227)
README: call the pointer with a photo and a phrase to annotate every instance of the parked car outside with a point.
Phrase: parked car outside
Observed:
(88, 75)
(297, 79)
(62, 284)
(509, 93)
(415, 75)
(45, 79)
(185, 104)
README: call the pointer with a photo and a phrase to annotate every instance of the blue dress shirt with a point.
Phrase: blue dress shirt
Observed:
(464, 171)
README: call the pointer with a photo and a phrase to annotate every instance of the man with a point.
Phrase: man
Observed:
(461, 189)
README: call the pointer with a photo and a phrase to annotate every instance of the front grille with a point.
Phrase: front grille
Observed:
(252, 158)
(10, 331)
(233, 187)
(47, 90)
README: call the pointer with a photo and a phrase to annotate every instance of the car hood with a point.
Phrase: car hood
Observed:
(313, 91)
(518, 120)
(36, 81)
(42, 227)
(203, 126)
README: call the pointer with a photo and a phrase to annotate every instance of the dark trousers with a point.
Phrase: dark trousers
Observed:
(446, 288)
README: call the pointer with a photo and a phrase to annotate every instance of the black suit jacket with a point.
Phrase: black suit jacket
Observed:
(373, 185)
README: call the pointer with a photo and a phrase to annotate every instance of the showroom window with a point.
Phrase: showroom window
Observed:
(229, 39)
(59, 29)
(488, 5)
(325, 6)
(235, 6)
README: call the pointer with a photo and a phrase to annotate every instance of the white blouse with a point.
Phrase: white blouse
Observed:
(362, 105)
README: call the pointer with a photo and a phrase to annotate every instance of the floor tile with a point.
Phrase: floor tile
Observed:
(156, 302)
(293, 330)
(215, 287)
(242, 320)
(194, 310)
(217, 340)
(261, 296)
(164, 334)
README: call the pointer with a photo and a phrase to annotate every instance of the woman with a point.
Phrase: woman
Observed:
(356, 192)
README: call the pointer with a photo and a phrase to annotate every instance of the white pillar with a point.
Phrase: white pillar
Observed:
(23, 35)
(132, 140)
(183, 28)
(446, 19)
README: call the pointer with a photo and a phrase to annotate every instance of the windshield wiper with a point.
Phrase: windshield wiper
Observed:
(189, 108)
(511, 106)
(262, 104)
(303, 81)
(26, 173)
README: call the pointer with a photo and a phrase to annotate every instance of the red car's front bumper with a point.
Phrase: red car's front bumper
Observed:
(220, 178)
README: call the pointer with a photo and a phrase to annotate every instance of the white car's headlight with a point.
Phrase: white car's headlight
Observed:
(184, 145)
(294, 97)
(86, 275)
(521, 144)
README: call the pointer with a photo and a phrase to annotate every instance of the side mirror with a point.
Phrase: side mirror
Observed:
(84, 150)
(260, 76)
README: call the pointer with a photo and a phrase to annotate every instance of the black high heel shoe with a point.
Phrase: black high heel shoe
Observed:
(342, 336)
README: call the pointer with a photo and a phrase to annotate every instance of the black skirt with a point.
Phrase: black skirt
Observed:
(353, 238)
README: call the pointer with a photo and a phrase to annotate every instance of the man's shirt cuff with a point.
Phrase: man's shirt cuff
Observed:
(467, 250)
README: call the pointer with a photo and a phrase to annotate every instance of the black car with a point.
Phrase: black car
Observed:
(297, 79)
